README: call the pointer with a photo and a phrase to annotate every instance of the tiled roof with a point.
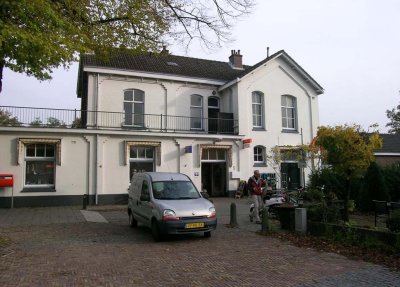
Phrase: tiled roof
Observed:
(164, 63)
(391, 143)
(167, 64)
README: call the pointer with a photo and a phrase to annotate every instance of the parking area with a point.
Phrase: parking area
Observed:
(63, 247)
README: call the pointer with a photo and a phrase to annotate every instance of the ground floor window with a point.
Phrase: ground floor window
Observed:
(40, 165)
(141, 159)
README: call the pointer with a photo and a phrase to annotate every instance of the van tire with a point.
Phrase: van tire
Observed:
(132, 221)
(207, 234)
(155, 231)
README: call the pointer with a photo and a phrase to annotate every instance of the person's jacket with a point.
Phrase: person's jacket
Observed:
(255, 185)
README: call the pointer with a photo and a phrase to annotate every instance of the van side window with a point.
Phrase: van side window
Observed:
(145, 195)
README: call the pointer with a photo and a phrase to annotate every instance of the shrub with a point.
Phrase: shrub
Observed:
(392, 179)
(393, 222)
(322, 213)
(313, 195)
(374, 188)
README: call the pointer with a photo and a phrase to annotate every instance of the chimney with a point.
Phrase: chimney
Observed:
(164, 51)
(235, 59)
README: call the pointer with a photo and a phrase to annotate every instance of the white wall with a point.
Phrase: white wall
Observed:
(70, 176)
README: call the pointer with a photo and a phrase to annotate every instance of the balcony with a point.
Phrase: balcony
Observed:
(63, 118)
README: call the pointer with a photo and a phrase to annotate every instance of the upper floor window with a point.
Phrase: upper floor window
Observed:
(40, 165)
(134, 108)
(258, 109)
(259, 155)
(289, 113)
(196, 112)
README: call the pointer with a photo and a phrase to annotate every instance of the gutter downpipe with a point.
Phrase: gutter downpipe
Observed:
(96, 152)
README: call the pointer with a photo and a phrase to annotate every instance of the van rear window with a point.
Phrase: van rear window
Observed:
(174, 190)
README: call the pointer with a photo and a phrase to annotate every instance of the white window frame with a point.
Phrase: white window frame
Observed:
(260, 153)
(285, 108)
(36, 158)
(192, 108)
(139, 159)
(133, 102)
(254, 105)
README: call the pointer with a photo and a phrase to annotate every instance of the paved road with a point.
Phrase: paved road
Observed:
(74, 252)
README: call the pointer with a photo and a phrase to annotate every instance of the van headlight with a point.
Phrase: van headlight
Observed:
(169, 214)
(212, 213)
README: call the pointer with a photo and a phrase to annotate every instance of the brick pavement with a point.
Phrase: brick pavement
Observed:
(112, 254)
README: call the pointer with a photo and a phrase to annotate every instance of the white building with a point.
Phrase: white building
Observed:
(214, 121)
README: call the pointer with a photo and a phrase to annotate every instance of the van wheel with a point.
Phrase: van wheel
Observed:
(155, 231)
(207, 234)
(132, 220)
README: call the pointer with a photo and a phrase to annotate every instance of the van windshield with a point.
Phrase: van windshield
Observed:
(174, 190)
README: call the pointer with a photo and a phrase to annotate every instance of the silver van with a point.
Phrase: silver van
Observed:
(169, 203)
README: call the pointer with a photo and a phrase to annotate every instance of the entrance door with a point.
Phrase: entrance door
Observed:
(213, 178)
(290, 175)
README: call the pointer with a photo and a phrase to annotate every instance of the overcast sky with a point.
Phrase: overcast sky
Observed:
(350, 47)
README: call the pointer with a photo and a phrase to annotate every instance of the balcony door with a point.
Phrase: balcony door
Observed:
(213, 112)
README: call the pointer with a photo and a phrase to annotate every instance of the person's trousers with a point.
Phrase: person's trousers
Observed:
(258, 204)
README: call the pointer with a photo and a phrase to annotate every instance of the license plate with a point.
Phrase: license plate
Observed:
(194, 225)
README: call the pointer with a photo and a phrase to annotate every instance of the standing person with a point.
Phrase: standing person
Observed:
(255, 185)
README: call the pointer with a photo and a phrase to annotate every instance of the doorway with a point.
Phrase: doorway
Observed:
(213, 111)
(290, 175)
(213, 178)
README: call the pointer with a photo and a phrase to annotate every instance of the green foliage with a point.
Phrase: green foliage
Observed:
(55, 123)
(6, 119)
(349, 152)
(394, 117)
(393, 222)
(37, 122)
(391, 175)
(77, 123)
(39, 36)
(329, 179)
(346, 149)
(322, 212)
(373, 188)
(313, 195)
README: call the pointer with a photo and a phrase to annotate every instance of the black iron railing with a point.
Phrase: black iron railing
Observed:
(64, 118)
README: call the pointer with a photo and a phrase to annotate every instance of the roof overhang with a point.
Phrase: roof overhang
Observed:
(285, 57)
(387, 153)
(318, 89)
(159, 76)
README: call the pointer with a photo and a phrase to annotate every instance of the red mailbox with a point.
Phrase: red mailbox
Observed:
(6, 180)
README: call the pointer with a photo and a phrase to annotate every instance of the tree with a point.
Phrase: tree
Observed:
(39, 36)
(6, 119)
(394, 117)
(349, 152)
(373, 188)
(37, 122)
(55, 123)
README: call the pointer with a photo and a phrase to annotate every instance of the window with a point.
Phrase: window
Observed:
(134, 108)
(212, 154)
(258, 111)
(259, 155)
(288, 106)
(196, 112)
(141, 159)
(40, 165)
(213, 115)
